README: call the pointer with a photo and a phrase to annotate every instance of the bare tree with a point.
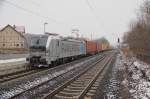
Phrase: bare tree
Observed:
(138, 38)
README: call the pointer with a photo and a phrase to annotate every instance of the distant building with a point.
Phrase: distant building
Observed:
(12, 40)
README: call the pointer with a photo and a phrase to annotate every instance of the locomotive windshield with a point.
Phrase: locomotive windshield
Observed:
(38, 43)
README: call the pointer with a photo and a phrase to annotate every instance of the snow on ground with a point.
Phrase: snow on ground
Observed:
(138, 78)
(11, 64)
(12, 60)
(113, 88)
(36, 81)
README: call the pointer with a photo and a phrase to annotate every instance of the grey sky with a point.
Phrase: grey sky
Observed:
(109, 18)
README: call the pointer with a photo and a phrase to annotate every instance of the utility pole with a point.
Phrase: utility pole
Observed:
(44, 26)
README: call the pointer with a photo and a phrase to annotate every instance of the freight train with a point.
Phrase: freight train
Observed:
(46, 50)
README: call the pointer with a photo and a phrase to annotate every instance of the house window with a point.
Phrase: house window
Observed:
(17, 44)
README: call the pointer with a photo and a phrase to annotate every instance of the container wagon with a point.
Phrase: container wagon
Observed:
(105, 46)
(98, 47)
(90, 47)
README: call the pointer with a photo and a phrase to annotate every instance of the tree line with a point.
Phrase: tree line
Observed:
(138, 36)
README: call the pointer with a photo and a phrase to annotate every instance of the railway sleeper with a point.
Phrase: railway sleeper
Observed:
(88, 96)
(88, 75)
(62, 93)
(95, 85)
(75, 88)
(77, 85)
(88, 78)
(69, 90)
(63, 97)
(81, 83)
(93, 88)
(92, 91)
(70, 93)
(85, 79)
(78, 82)
(97, 82)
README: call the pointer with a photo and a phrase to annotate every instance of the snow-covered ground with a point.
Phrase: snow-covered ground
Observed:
(138, 80)
(12, 56)
(114, 88)
(12, 60)
(37, 79)
(12, 63)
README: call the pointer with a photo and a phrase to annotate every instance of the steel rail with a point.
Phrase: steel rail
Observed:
(57, 90)
(74, 62)
(83, 93)
(7, 78)
(11, 76)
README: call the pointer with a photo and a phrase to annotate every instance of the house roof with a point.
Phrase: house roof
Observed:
(13, 29)
(19, 28)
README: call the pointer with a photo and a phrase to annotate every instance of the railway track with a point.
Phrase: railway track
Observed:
(28, 71)
(79, 86)
(32, 89)
(16, 75)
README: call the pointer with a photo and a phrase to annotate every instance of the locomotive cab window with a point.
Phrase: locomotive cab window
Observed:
(38, 43)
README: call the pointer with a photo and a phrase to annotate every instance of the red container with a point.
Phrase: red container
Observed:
(98, 47)
(91, 47)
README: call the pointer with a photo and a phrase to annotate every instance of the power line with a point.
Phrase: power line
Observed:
(32, 12)
(93, 11)
(45, 7)
(89, 5)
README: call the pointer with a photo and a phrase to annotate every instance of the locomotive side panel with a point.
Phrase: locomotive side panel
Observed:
(69, 48)
(82, 48)
(53, 50)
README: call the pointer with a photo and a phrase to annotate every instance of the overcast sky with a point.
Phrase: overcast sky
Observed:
(109, 18)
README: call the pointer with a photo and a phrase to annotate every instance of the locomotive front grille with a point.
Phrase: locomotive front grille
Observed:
(37, 60)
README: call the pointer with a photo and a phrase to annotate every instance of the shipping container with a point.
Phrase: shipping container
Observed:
(98, 47)
(90, 47)
(105, 46)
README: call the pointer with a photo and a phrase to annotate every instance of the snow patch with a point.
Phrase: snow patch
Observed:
(36, 81)
(12, 60)
(139, 85)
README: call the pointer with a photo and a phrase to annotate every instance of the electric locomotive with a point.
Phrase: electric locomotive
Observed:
(50, 49)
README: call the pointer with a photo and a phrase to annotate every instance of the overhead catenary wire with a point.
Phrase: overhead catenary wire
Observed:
(92, 9)
(34, 13)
